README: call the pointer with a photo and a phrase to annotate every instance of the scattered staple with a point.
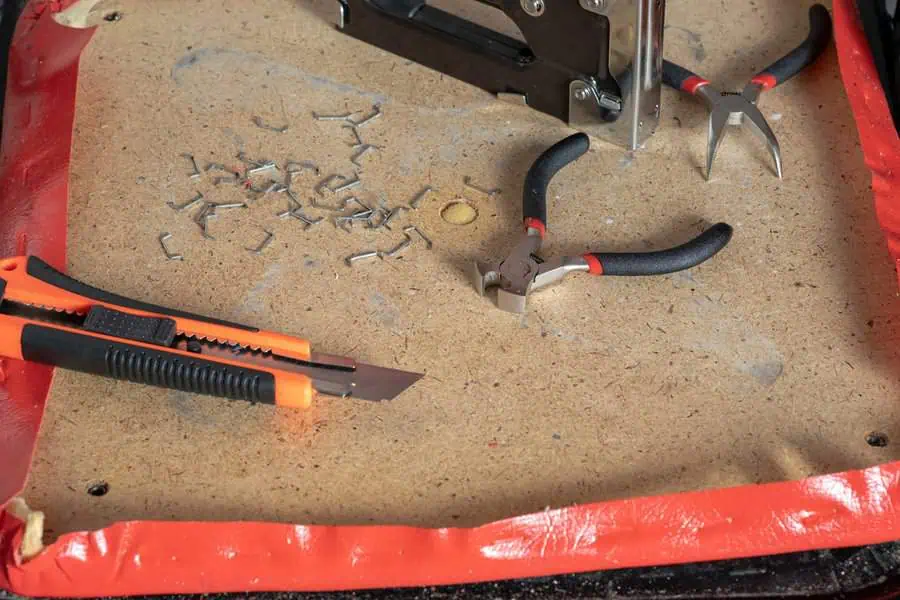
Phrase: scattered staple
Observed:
(399, 247)
(417, 201)
(363, 150)
(347, 185)
(198, 199)
(196, 172)
(267, 166)
(355, 133)
(264, 244)
(428, 243)
(293, 166)
(467, 181)
(368, 255)
(163, 238)
(263, 125)
(321, 117)
(326, 183)
(376, 112)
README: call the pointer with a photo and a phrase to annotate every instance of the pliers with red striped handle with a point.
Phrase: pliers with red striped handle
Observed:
(731, 108)
(523, 271)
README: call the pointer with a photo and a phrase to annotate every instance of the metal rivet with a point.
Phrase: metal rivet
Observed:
(533, 8)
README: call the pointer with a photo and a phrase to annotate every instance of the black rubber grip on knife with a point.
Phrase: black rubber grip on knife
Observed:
(158, 331)
(137, 364)
(41, 270)
(548, 164)
(697, 251)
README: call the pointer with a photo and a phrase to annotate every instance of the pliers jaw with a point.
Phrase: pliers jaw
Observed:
(522, 272)
(513, 276)
(728, 108)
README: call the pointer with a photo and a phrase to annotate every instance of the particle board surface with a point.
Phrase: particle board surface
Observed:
(773, 361)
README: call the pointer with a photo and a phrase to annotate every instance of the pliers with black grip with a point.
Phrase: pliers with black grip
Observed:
(731, 108)
(523, 271)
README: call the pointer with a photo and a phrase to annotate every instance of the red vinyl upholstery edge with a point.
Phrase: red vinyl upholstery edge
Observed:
(34, 171)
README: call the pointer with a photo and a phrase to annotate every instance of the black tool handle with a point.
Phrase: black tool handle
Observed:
(548, 164)
(803, 55)
(138, 364)
(691, 254)
(679, 78)
(38, 269)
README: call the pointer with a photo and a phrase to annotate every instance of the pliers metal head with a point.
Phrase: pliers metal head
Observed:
(523, 271)
(730, 108)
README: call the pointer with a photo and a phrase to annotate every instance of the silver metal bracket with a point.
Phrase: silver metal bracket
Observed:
(339, 14)
(635, 62)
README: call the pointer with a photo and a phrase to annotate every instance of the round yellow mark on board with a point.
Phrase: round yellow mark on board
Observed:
(459, 213)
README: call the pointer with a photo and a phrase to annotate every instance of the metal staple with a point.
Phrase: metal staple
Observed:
(390, 217)
(228, 205)
(275, 188)
(321, 117)
(399, 247)
(355, 133)
(428, 243)
(196, 174)
(267, 166)
(363, 150)
(376, 112)
(354, 200)
(325, 184)
(467, 181)
(292, 200)
(263, 125)
(208, 212)
(163, 238)
(293, 166)
(347, 185)
(264, 244)
(354, 258)
(380, 212)
(296, 213)
(417, 200)
(198, 199)
(242, 156)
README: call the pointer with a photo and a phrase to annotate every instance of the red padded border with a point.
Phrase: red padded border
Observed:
(846, 509)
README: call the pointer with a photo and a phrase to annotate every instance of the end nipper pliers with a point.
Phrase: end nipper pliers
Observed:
(522, 271)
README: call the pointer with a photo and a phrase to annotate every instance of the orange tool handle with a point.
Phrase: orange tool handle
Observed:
(134, 341)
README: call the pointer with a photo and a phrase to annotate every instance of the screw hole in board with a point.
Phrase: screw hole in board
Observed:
(98, 489)
(876, 439)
